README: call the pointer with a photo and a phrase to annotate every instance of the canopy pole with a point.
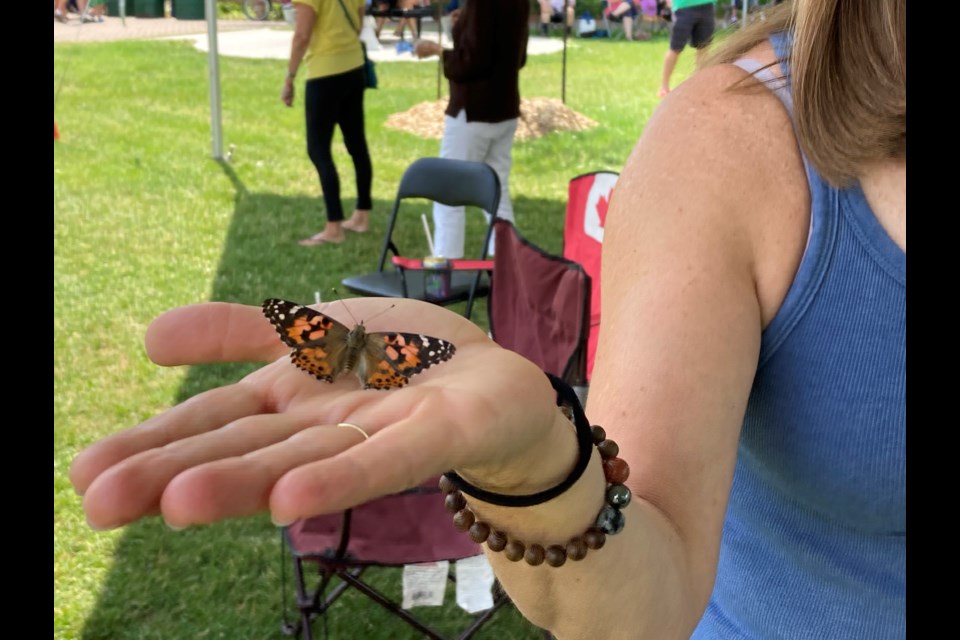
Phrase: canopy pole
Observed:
(213, 64)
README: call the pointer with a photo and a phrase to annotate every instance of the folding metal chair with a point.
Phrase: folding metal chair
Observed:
(405, 528)
(588, 196)
(539, 306)
(450, 182)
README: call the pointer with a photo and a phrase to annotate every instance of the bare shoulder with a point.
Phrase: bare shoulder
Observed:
(721, 149)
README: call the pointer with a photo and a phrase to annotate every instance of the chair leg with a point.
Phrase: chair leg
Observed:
(304, 601)
(391, 606)
(482, 618)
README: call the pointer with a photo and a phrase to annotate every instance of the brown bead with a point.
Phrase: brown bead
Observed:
(497, 540)
(479, 531)
(514, 551)
(608, 449)
(594, 538)
(556, 555)
(463, 519)
(535, 555)
(577, 548)
(599, 435)
(616, 470)
(454, 502)
(446, 486)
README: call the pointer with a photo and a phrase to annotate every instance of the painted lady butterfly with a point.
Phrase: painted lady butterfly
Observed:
(326, 348)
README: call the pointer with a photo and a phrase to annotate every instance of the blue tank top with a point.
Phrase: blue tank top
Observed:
(814, 541)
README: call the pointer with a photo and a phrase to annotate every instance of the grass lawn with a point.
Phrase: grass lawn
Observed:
(145, 220)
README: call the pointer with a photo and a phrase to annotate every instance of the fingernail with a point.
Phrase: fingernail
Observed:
(281, 522)
(175, 527)
(96, 527)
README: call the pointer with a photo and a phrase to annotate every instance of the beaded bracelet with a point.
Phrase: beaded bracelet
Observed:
(610, 520)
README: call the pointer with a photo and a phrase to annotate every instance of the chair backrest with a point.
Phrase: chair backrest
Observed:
(588, 196)
(539, 305)
(451, 182)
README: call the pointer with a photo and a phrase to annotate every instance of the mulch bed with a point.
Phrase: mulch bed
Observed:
(538, 117)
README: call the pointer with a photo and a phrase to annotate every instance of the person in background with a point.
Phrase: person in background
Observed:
(60, 11)
(554, 11)
(694, 22)
(483, 69)
(405, 23)
(97, 9)
(624, 12)
(326, 42)
(750, 379)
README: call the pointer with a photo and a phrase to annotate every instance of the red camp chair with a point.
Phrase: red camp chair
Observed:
(539, 306)
(588, 197)
(405, 528)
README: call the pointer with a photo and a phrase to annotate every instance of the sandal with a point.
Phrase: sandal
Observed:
(319, 239)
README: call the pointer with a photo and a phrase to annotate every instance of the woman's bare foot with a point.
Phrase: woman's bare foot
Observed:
(662, 93)
(329, 235)
(358, 222)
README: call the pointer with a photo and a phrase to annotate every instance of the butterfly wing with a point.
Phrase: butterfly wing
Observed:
(391, 358)
(319, 341)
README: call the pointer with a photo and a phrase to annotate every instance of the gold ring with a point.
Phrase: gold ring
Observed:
(366, 436)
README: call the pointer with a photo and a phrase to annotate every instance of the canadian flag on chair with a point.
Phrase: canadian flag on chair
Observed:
(588, 197)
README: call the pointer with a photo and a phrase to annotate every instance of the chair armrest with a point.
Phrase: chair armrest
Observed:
(416, 264)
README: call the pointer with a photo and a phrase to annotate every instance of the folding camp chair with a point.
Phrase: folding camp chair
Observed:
(588, 196)
(450, 182)
(405, 528)
(539, 306)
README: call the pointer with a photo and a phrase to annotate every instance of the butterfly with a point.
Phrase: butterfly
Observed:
(326, 348)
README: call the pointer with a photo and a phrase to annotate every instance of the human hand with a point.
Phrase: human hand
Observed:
(425, 48)
(269, 441)
(286, 95)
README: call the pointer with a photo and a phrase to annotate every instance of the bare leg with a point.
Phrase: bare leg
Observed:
(545, 12)
(359, 221)
(669, 62)
(626, 21)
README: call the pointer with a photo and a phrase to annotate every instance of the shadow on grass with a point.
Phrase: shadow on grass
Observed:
(224, 580)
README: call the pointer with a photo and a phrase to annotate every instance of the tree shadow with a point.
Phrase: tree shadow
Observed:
(224, 580)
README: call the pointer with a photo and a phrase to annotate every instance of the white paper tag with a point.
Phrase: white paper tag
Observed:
(424, 585)
(474, 584)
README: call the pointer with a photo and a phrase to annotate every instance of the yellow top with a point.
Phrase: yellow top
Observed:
(334, 45)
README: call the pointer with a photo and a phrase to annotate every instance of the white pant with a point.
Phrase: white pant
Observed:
(490, 142)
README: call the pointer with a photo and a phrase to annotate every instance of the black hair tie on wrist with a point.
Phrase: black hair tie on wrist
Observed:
(567, 397)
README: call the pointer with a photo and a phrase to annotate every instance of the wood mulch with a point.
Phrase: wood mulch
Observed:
(538, 117)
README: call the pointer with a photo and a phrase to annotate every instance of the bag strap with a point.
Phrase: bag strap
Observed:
(347, 15)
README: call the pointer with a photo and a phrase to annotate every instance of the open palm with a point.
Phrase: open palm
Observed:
(270, 440)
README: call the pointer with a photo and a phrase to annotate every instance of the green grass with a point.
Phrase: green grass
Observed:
(145, 220)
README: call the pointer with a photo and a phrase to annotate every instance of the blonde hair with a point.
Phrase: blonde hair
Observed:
(848, 71)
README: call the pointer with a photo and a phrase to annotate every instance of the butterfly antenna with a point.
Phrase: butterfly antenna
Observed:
(380, 313)
(343, 301)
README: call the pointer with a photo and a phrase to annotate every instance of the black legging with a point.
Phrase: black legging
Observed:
(330, 101)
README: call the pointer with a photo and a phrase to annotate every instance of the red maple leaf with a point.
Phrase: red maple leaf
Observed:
(602, 203)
